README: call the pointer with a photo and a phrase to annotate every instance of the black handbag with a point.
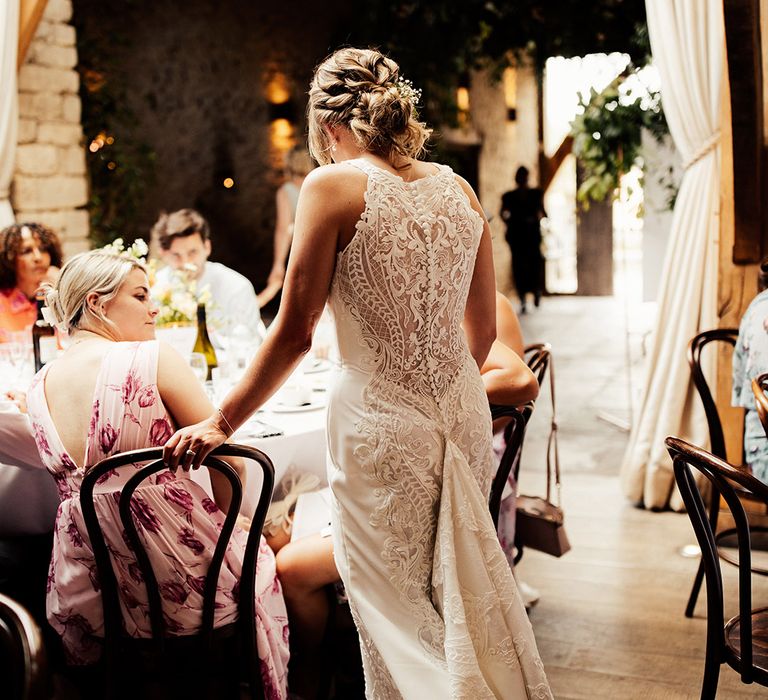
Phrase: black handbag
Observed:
(540, 521)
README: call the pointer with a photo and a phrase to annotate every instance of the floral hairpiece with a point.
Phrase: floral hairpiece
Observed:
(136, 251)
(407, 91)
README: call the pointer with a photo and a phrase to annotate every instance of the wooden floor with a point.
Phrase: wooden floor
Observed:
(610, 620)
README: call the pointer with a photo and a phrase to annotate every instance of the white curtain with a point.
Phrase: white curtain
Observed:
(688, 46)
(9, 42)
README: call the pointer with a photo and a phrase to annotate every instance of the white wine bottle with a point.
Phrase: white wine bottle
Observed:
(203, 344)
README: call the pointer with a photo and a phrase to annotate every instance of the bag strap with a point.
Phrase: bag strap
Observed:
(553, 455)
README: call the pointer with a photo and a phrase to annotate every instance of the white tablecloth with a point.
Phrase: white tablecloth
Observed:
(28, 497)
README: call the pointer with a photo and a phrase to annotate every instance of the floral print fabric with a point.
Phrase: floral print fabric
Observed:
(750, 358)
(178, 521)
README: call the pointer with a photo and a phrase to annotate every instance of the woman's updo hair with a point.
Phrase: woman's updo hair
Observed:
(97, 271)
(359, 89)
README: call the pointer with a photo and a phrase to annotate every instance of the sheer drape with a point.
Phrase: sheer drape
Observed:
(9, 41)
(688, 46)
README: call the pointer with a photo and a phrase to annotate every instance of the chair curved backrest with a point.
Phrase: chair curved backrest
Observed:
(114, 635)
(695, 348)
(722, 476)
(514, 434)
(759, 387)
(23, 667)
(537, 357)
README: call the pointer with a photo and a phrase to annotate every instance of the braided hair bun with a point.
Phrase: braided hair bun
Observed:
(362, 90)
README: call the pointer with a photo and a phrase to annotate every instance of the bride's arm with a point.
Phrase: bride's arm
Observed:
(322, 205)
(480, 314)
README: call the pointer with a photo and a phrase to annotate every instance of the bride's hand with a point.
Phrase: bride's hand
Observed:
(188, 447)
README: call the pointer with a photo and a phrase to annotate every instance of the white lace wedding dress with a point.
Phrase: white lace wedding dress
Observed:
(409, 434)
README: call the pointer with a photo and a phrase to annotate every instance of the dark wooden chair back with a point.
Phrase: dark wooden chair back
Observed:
(23, 667)
(759, 387)
(116, 641)
(537, 357)
(695, 348)
(742, 642)
(514, 434)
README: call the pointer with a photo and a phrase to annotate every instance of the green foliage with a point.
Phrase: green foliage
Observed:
(120, 163)
(437, 42)
(607, 136)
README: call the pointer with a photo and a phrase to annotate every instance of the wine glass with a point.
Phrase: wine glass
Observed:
(199, 366)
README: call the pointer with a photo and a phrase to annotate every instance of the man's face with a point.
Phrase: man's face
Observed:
(188, 252)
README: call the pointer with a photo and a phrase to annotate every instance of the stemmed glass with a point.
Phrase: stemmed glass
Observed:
(17, 351)
(199, 366)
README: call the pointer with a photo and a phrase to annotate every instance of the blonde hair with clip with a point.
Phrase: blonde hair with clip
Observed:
(361, 89)
(96, 272)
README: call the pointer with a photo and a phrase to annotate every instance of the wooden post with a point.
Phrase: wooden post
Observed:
(742, 37)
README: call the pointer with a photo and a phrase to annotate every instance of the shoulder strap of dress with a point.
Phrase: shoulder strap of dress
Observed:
(363, 164)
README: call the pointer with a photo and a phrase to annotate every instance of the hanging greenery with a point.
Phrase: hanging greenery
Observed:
(607, 135)
(121, 166)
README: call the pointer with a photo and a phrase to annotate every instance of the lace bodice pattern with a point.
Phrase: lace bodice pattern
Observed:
(404, 279)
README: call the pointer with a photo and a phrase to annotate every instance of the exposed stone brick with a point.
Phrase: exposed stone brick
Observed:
(40, 105)
(72, 160)
(44, 31)
(41, 193)
(35, 78)
(53, 55)
(63, 35)
(71, 109)
(59, 133)
(37, 159)
(58, 10)
(70, 225)
(27, 131)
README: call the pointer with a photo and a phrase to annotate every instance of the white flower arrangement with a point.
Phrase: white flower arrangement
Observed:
(177, 299)
(137, 250)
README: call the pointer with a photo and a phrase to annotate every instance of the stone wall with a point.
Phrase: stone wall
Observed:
(50, 184)
(506, 145)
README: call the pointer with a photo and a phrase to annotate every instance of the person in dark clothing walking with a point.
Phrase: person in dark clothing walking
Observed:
(522, 210)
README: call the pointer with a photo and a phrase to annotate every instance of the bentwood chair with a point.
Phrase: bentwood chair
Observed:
(716, 437)
(538, 357)
(742, 642)
(759, 387)
(210, 662)
(23, 668)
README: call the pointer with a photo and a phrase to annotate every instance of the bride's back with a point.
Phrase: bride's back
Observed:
(402, 279)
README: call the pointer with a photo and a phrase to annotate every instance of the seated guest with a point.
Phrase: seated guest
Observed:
(185, 242)
(297, 166)
(30, 254)
(507, 379)
(750, 359)
(114, 389)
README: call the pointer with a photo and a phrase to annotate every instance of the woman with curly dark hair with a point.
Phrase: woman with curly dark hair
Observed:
(30, 254)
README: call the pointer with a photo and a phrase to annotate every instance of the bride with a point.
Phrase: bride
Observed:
(401, 250)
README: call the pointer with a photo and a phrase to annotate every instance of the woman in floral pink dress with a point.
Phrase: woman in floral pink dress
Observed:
(118, 389)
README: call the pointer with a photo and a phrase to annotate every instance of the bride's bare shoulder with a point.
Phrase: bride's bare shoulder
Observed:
(334, 176)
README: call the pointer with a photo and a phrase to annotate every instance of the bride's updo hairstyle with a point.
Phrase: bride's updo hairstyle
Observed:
(97, 271)
(361, 89)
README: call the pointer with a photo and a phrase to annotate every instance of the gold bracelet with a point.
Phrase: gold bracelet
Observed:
(226, 422)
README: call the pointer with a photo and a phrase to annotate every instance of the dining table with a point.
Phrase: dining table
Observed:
(289, 429)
